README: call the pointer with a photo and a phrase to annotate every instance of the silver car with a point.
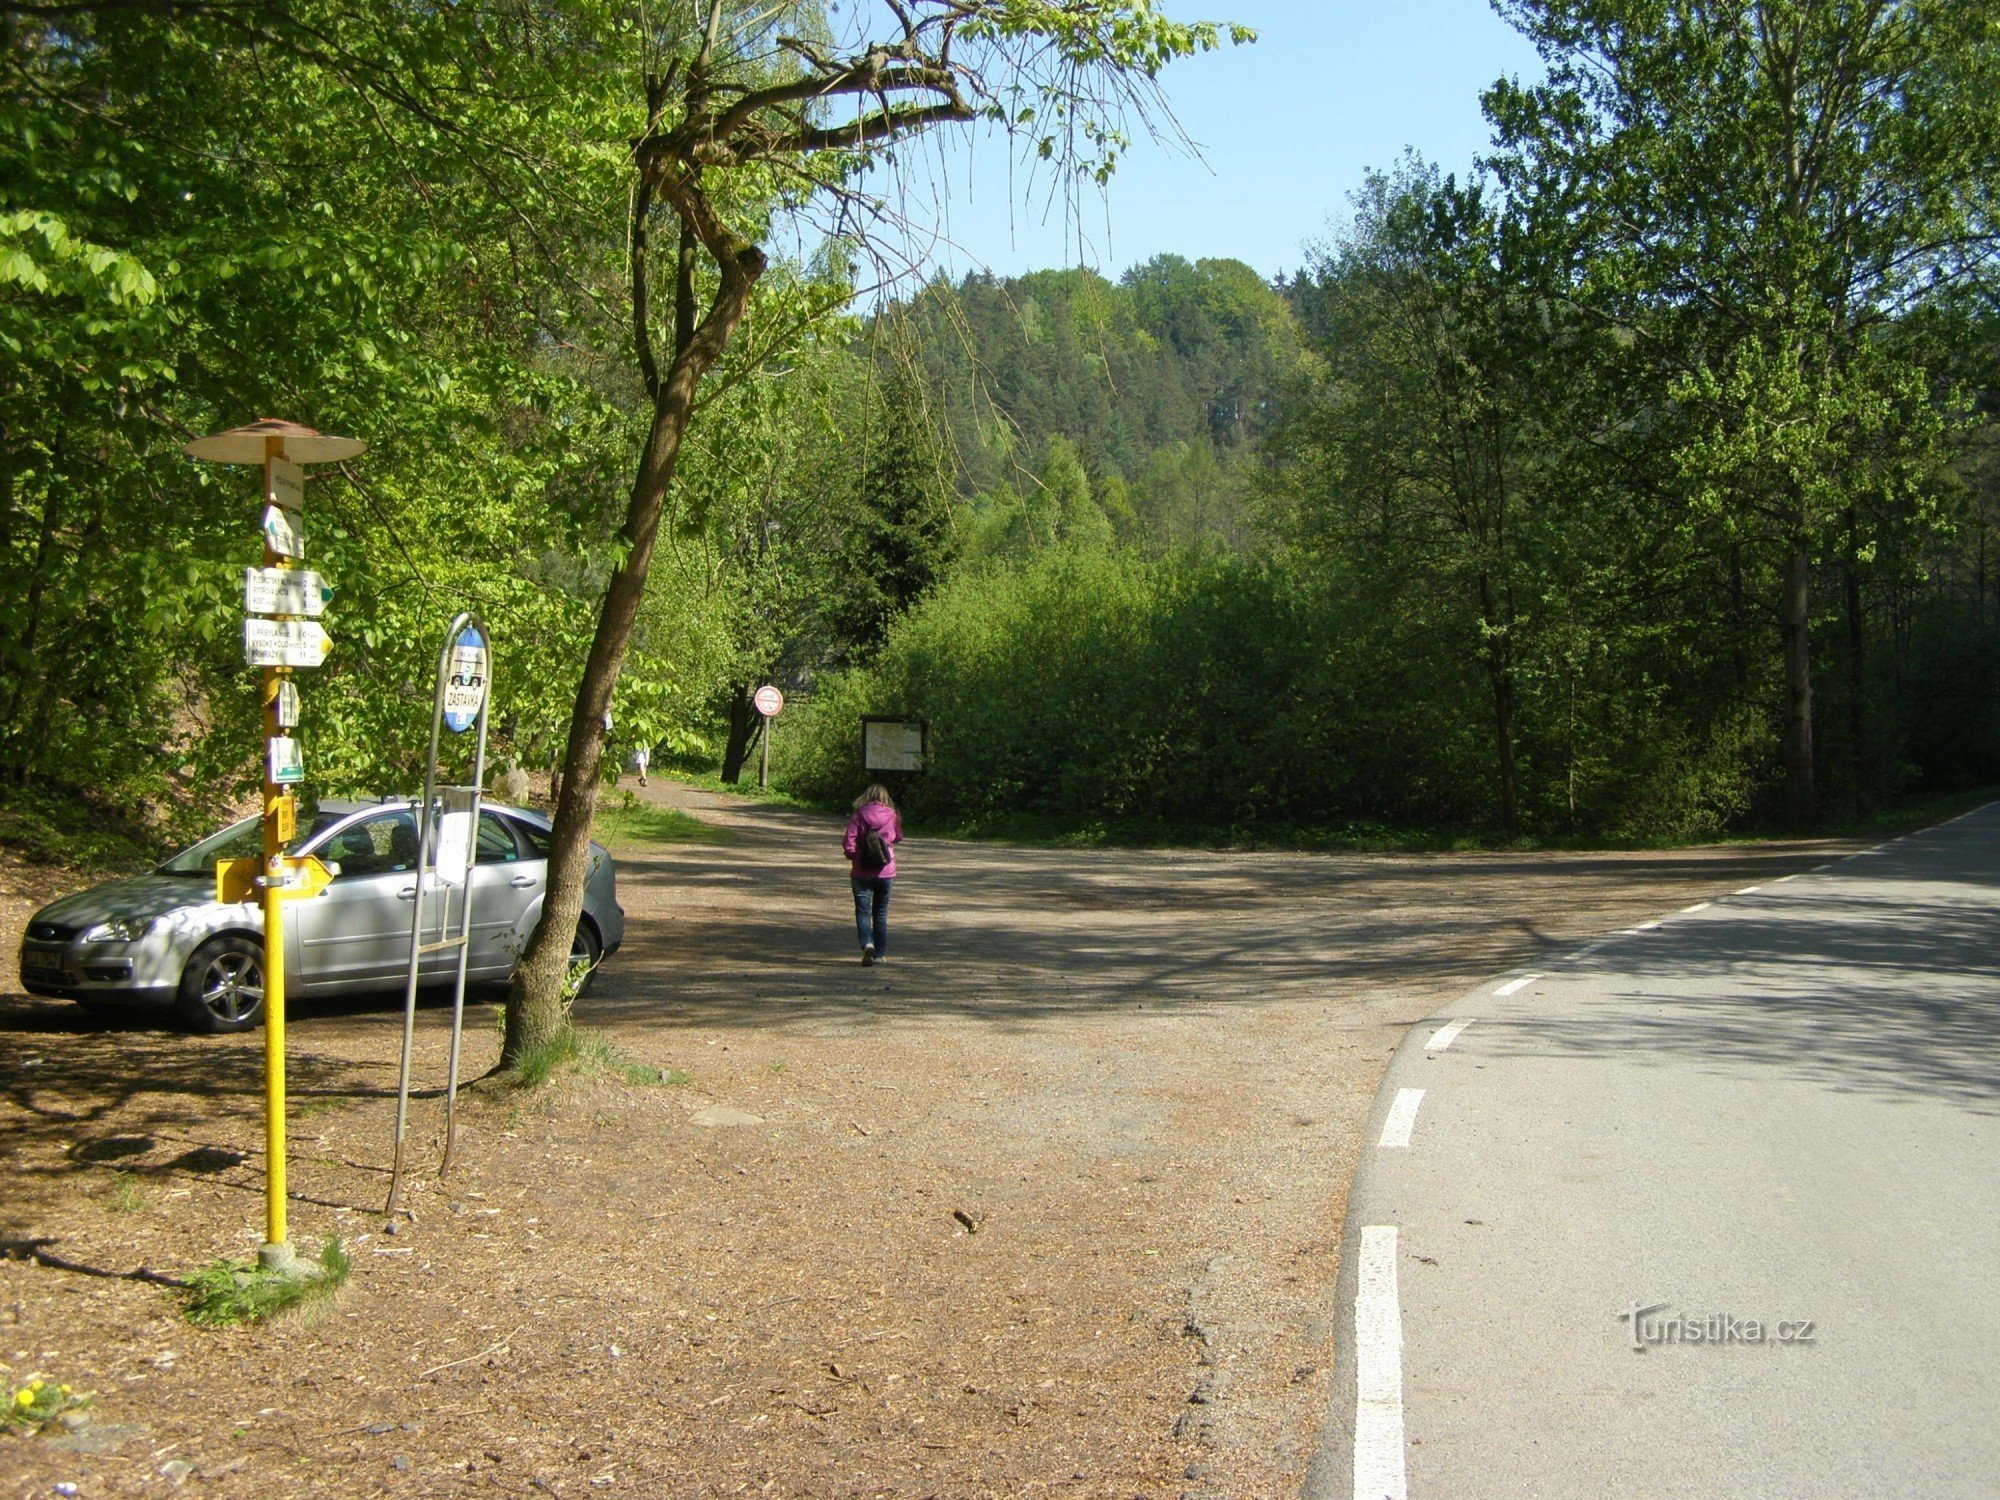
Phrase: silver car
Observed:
(163, 938)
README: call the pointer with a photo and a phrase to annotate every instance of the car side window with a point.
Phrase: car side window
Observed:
(536, 840)
(383, 845)
(496, 841)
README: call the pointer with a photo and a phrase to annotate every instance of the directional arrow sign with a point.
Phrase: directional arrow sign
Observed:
(284, 643)
(282, 591)
(238, 879)
(304, 876)
(284, 534)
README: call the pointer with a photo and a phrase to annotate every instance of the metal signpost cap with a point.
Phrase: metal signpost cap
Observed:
(249, 444)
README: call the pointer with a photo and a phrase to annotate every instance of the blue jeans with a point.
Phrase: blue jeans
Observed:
(871, 911)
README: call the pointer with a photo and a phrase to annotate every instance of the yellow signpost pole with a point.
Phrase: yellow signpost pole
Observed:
(276, 1239)
(279, 634)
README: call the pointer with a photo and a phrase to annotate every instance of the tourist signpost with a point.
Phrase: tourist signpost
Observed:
(278, 640)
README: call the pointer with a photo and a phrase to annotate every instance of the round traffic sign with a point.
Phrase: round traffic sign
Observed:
(769, 701)
(465, 680)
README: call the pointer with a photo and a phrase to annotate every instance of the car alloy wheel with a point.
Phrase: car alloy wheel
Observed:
(222, 988)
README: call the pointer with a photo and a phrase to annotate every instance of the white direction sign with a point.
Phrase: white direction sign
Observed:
(284, 534)
(287, 486)
(288, 704)
(284, 643)
(282, 591)
(465, 681)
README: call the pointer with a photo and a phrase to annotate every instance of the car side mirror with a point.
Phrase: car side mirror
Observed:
(332, 867)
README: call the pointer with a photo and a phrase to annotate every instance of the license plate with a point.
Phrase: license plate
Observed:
(40, 961)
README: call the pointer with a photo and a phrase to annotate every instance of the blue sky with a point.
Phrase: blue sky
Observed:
(1286, 127)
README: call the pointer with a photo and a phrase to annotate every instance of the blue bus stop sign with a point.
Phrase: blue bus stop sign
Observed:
(465, 681)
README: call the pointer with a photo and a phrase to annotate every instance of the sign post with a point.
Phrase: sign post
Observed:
(278, 645)
(770, 703)
(447, 853)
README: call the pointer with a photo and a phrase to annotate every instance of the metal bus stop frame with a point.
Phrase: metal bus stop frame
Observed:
(431, 815)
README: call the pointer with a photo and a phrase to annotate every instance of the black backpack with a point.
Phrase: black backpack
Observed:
(874, 847)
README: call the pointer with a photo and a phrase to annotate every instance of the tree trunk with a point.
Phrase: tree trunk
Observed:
(1794, 630)
(1857, 717)
(743, 718)
(535, 1005)
(1500, 671)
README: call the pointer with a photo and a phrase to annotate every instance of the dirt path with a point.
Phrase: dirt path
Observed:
(1048, 1203)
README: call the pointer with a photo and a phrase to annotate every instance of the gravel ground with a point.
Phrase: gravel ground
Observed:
(1049, 1203)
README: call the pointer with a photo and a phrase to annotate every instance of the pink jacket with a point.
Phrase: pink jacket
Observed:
(877, 815)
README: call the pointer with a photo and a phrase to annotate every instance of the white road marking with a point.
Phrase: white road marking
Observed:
(1402, 1117)
(1444, 1036)
(1698, 906)
(1378, 1371)
(1784, 879)
(1750, 890)
(1645, 926)
(1517, 984)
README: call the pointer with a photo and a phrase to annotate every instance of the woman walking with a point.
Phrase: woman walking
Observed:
(872, 835)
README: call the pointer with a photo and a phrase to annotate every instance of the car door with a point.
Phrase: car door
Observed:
(356, 935)
(506, 881)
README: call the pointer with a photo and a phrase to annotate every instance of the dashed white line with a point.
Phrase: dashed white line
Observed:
(1444, 1036)
(1517, 984)
(1402, 1117)
(1378, 1371)
(1645, 927)
(1750, 890)
(1698, 906)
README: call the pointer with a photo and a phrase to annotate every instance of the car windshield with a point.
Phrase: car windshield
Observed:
(237, 841)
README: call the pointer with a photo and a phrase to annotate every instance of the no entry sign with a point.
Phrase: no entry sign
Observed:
(769, 701)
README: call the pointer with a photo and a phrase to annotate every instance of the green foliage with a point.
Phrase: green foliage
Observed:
(39, 1402)
(1160, 385)
(226, 1293)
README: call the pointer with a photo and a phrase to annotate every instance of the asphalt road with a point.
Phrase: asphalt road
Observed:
(1707, 1208)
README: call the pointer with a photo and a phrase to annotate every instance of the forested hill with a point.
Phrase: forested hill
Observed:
(1163, 382)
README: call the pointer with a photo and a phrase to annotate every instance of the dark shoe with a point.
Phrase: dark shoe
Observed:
(868, 953)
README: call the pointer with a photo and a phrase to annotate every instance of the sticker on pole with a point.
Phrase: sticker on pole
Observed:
(284, 533)
(770, 702)
(465, 681)
(286, 484)
(282, 591)
(288, 766)
(284, 643)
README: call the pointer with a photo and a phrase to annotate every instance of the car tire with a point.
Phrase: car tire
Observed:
(586, 950)
(222, 987)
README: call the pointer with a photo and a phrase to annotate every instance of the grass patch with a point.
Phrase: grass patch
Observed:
(39, 1401)
(305, 1109)
(226, 1293)
(573, 1051)
(1059, 832)
(708, 780)
(127, 1196)
(622, 824)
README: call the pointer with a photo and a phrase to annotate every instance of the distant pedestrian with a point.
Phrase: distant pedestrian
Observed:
(872, 835)
(641, 758)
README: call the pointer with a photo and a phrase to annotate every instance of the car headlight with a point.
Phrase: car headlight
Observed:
(119, 930)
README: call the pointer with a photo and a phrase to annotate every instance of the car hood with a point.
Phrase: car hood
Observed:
(140, 896)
